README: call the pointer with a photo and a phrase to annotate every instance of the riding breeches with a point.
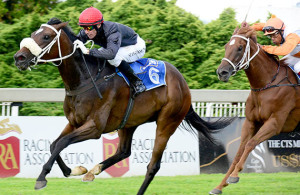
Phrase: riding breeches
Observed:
(293, 61)
(130, 53)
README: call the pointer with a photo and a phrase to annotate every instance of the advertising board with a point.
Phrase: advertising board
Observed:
(278, 154)
(25, 148)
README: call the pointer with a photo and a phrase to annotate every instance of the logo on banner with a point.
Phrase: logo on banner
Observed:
(257, 162)
(9, 150)
(110, 145)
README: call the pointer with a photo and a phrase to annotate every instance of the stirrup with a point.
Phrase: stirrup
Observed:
(138, 87)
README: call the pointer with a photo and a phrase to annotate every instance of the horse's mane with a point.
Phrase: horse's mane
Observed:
(251, 33)
(275, 57)
(67, 29)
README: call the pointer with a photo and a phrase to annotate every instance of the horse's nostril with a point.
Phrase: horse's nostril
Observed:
(223, 73)
(20, 58)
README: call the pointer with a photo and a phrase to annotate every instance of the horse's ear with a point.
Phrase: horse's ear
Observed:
(61, 25)
(254, 38)
(236, 30)
(252, 35)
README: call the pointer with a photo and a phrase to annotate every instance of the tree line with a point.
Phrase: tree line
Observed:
(171, 34)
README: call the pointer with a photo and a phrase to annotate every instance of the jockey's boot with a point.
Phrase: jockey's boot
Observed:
(135, 82)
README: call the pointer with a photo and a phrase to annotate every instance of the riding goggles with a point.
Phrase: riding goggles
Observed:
(273, 34)
(269, 29)
(89, 28)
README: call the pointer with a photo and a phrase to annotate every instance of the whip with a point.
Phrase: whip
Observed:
(248, 11)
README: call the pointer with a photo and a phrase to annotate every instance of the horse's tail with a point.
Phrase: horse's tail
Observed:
(194, 122)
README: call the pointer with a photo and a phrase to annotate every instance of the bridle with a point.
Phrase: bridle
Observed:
(246, 59)
(245, 62)
(39, 52)
(36, 50)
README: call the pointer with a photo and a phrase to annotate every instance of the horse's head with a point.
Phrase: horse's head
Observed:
(237, 53)
(45, 42)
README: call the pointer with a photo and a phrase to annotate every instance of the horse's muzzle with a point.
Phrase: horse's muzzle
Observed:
(224, 73)
(23, 59)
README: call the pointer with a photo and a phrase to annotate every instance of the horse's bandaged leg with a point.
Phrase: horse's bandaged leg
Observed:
(79, 170)
(97, 169)
(90, 175)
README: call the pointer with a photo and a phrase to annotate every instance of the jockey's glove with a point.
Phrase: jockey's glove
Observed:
(79, 44)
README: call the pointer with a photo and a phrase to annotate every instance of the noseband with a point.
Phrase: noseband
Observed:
(245, 61)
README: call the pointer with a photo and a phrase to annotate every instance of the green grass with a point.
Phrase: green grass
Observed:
(250, 184)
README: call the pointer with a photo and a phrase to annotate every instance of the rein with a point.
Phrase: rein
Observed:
(98, 92)
(268, 86)
(39, 52)
(246, 59)
(93, 83)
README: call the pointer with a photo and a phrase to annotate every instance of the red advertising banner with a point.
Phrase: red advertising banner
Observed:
(9, 150)
(109, 149)
(9, 157)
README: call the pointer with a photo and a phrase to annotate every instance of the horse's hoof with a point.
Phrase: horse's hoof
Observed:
(40, 185)
(215, 191)
(80, 170)
(231, 180)
(88, 177)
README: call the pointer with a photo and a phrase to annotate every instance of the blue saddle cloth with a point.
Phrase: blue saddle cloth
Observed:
(151, 72)
(292, 67)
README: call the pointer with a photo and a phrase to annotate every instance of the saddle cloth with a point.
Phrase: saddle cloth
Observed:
(298, 76)
(151, 72)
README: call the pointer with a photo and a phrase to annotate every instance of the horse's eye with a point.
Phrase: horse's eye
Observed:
(46, 37)
(240, 48)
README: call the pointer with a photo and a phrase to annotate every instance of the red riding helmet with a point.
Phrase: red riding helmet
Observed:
(90, 16)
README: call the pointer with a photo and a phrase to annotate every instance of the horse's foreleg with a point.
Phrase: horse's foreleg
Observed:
(163, 134)
(79, 170)
(247, 133)
(87, 131)
(65, 169)
(268, 130)
(123, 151)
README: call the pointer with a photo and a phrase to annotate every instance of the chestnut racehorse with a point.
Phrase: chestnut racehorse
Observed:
(273, 105)
(90, 116)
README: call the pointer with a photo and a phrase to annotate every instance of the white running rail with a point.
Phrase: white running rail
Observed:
(207, 103)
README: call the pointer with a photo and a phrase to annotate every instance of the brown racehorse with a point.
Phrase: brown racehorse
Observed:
(89, 116)
(273, 105)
